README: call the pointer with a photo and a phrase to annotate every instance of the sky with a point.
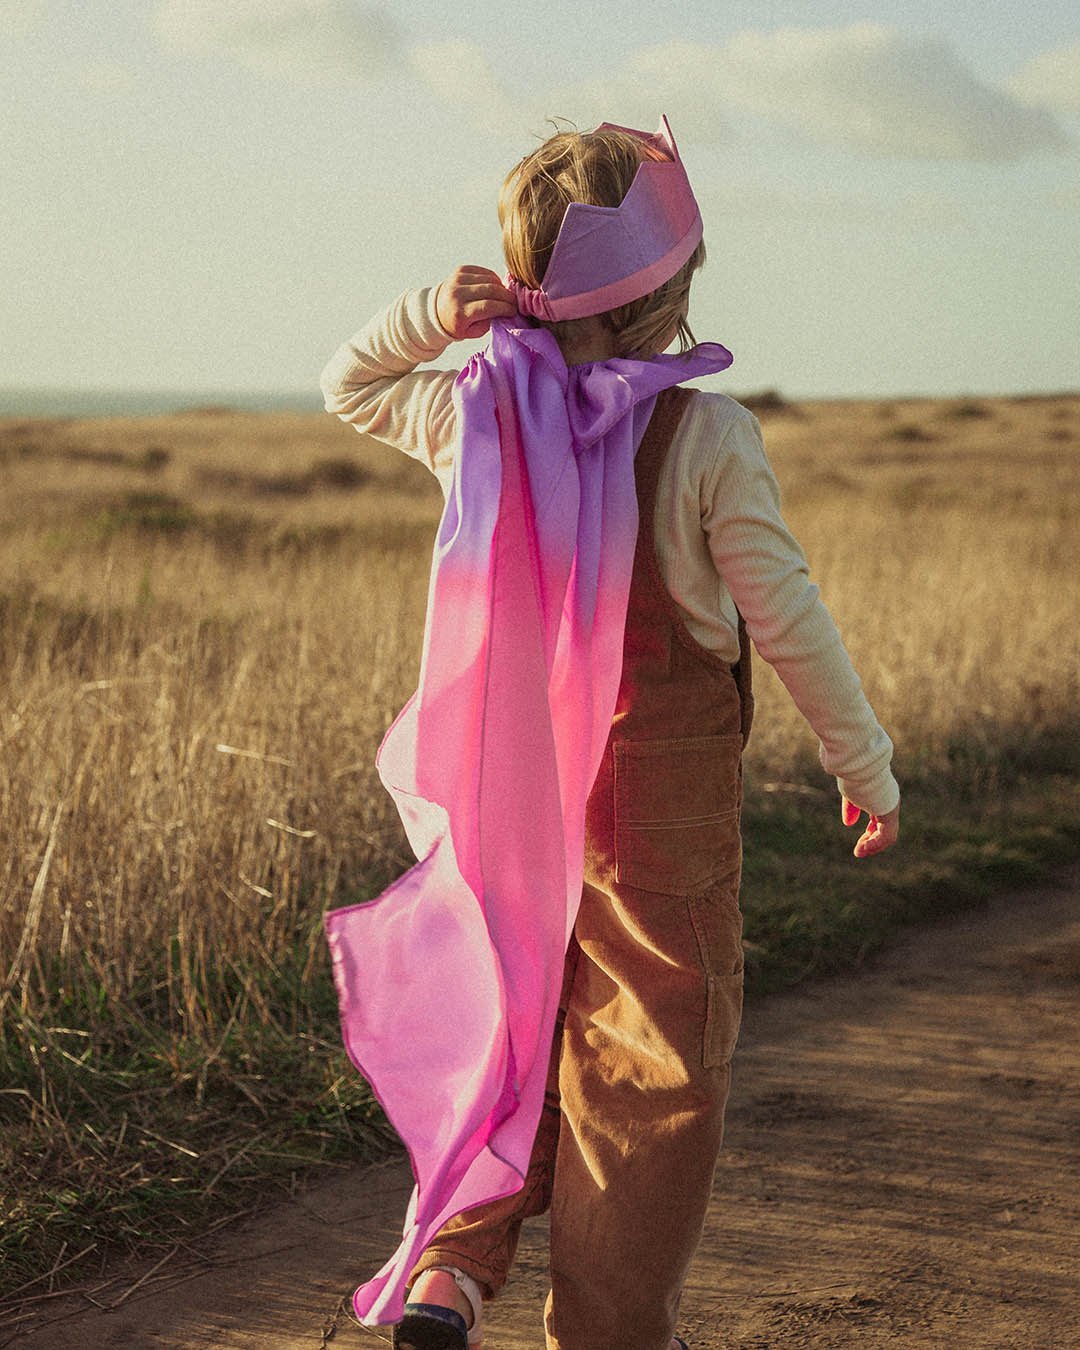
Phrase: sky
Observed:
(213, 194)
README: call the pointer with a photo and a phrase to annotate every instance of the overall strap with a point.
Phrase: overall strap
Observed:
(671, 405)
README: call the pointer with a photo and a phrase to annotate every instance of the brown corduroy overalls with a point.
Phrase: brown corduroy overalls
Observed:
(652, 994)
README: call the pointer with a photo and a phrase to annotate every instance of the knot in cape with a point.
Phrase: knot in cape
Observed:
(597, 394)
(448, 982)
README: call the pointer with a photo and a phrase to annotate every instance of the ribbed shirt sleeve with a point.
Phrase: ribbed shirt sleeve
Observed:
(371, 382)
(766, 573)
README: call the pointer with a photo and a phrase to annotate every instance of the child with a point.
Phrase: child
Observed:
(609, 541)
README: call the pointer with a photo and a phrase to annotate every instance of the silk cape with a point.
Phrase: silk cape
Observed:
(448, 982)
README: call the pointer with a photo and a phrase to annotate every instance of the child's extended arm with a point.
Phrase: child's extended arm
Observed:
(765, 570)
(371, 381)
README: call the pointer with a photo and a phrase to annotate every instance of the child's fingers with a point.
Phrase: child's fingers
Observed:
(871, 840)
(477, 315)
(467, 310)
(486, 294)
(475, 270)
(470, 276)
(880, 833)
(489, 304)
(477, 282)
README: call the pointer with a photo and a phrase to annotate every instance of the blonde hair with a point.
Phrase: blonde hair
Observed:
(596, 167)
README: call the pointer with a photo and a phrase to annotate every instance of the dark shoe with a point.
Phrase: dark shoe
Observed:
(429, 1326)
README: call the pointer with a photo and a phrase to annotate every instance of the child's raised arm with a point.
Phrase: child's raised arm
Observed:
(371, 382)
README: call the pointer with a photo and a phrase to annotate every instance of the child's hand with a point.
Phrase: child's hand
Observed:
(468, 300)
(878, 835)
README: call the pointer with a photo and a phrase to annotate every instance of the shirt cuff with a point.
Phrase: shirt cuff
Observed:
(877, 795)
(436, 331)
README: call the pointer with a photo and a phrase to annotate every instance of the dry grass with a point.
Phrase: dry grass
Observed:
(194, 681)
(207, 622)
(949, 563)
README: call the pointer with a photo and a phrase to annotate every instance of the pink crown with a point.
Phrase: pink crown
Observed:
(606, 256)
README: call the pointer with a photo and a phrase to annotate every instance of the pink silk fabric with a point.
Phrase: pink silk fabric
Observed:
(448, 983)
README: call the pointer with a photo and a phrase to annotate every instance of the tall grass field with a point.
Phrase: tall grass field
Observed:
(207, 622)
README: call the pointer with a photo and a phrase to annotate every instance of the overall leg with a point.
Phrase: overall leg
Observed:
(482, 1241)
(645, 1071)
(656, 1002)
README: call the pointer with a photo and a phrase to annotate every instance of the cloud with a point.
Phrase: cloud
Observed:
(460, 74)
(675, 78)
(301, 40)
(311, 40)
(866, 87)
(1050, 80)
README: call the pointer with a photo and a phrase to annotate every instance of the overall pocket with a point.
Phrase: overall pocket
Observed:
(723, 1018)
(677, 812)
(718, 925)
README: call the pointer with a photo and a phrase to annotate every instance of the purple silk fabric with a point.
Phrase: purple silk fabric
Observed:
(448, 982)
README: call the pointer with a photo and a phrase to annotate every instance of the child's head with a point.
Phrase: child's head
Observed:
(597, 168)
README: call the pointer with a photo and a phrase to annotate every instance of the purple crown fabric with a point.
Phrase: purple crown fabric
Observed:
(606, 256)
(448, 982)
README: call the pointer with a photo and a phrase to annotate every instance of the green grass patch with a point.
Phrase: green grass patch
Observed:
(811, 908)
(150, 512)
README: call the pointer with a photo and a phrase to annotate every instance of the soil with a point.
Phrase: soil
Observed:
(901, 1167)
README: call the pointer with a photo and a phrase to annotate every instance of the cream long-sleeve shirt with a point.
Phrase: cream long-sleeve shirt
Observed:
(721, 541)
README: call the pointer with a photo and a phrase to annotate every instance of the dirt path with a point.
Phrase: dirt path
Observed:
(901, 1167)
